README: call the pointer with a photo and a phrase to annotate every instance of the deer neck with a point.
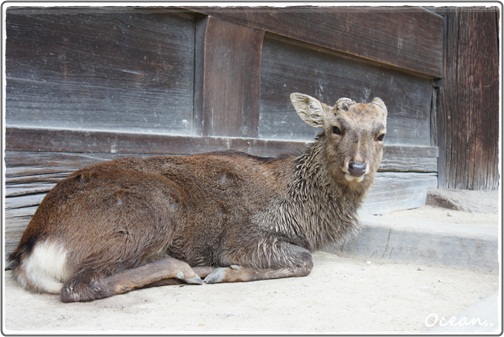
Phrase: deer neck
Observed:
(324, 210)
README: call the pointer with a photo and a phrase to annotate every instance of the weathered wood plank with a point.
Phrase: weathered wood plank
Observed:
(288, 67)
(87, 146)
(395, 191)
(228, 78)
(105, 70)
(468, 104)
(400, 158)
(407, 38)
(44, 140)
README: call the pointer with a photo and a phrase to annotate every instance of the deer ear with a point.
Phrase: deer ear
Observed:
(309, 109)
(378, 101)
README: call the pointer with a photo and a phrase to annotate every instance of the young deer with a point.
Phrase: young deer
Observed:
(217, 217)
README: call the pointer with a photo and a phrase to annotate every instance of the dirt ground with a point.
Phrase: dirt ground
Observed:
(342, 295)
(428, 217)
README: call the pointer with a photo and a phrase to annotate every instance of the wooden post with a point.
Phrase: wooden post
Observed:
(468, 101)
(228, 73)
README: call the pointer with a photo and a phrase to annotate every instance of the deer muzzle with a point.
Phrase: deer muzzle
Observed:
(355, 171)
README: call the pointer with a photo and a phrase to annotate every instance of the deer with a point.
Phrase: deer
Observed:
(132, 223)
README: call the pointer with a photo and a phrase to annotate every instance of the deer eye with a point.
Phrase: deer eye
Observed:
(336, 130)
(380, 137)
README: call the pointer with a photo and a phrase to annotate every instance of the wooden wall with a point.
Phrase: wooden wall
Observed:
(468, 100)
(91, 84)
(100, 70)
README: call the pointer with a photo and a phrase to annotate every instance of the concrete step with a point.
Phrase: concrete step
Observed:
(429, 235)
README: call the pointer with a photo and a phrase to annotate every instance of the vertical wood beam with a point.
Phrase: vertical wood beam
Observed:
(468, 105)
(227, 83)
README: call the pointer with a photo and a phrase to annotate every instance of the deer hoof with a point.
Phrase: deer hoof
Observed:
(216, 276)
(194, 280)
(191, 280)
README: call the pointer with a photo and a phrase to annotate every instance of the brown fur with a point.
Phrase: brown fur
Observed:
(224, 217)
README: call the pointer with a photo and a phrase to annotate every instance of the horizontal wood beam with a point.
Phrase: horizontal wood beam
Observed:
(397, 158)
(406, 38)
(394, 191)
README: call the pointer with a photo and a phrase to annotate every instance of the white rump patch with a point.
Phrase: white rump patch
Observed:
(46, 267)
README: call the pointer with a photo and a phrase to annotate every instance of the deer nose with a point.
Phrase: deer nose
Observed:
(356, 169)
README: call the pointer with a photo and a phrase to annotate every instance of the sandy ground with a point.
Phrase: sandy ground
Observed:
(342, 295)
(436, 220)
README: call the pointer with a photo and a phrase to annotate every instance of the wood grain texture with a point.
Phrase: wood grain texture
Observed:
(91, 84)
(100, 70)
(228, 78)
(397, 158)
(43, 140)
(397, 191)
(468, 104)
(405, 38)
(289, 66)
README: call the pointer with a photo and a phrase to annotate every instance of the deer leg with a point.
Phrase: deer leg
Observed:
(201, 271)
(283, 260)
(89, 286)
